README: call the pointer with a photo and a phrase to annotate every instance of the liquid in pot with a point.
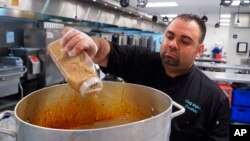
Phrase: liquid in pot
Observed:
(72, 111)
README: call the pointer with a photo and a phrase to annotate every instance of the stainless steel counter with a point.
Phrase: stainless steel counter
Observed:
(221, 66)
(228, 77)
(210, 60)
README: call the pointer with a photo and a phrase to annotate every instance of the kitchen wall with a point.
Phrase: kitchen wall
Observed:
(15, 28)
(222, 36)
(216, 36)
(243, 35)
(58, 9)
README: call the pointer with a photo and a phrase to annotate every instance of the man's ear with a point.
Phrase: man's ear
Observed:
(200, 50)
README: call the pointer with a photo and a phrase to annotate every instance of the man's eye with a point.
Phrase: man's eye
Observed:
(185, 42)
(170, 37)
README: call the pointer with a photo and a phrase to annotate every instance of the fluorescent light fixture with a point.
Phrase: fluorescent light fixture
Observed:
(170, 19)
(246, 1)
(224, 24)
(227, 1)
(235, 3)
(55, 20)
(169, 15)
(224, 20)
(162, 4)
(148, 16)
(228, 16)
(69, 22)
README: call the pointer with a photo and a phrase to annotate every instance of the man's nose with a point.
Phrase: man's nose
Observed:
(173, 43)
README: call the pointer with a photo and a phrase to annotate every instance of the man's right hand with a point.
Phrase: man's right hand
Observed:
(75, 42)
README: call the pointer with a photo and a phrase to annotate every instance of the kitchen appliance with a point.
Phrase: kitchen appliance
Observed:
(35, 64)
(11, 69)
(30, 59)
(41, 38)
(55, 107)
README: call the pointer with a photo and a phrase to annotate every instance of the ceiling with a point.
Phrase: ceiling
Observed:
(210, 8)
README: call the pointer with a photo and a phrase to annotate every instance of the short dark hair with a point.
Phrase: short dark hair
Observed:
(197, 19)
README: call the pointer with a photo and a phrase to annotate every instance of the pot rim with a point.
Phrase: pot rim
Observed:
(102, 128)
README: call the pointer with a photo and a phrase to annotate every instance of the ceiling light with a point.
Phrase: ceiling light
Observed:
(69, 22)
(224, 24)
(226, 2)
(170, 19)
(245, 2)
(142, 3)
(169, 15)
(161, 4)
(236, 3)
(124, 3)
(148, 16)
(217, 25)
(225, 20)
(204, 18)
(55, 20)
(225, 16)
(165, 19)
(154, 18)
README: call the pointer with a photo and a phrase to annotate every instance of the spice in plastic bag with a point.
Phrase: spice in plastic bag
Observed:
(79, 71)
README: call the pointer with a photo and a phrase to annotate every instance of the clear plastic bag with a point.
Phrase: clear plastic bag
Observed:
(9, 123)
(79, 71)
(93, 83)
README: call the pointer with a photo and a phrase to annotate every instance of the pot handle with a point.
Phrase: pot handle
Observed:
(3, 115)
(177, 113)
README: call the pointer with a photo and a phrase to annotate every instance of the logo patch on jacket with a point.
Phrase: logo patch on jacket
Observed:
(191, 106)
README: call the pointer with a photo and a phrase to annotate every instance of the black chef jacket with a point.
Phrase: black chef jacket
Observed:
(207, 115)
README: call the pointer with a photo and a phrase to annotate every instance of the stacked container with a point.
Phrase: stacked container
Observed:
(241, 106)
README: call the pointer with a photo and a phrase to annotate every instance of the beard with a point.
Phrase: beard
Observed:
(170, 57)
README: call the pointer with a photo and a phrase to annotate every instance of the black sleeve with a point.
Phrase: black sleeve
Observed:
(219, 129)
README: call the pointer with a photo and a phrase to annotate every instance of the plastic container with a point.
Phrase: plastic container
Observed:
(241, 97)
(240, 114)
(7, 122)
(79, 71)
(228, 90)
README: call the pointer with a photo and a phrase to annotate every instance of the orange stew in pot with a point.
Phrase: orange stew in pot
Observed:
(93, 110)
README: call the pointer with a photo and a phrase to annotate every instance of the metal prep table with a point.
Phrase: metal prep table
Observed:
(228, 77)
(210, 60)
(221, 66)
(11, 69)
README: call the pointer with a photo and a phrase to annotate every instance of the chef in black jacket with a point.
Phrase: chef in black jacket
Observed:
(207, 115)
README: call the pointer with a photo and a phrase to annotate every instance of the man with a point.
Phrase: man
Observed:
(207, 115)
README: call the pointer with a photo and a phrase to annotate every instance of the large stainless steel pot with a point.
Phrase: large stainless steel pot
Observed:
(149, 101)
